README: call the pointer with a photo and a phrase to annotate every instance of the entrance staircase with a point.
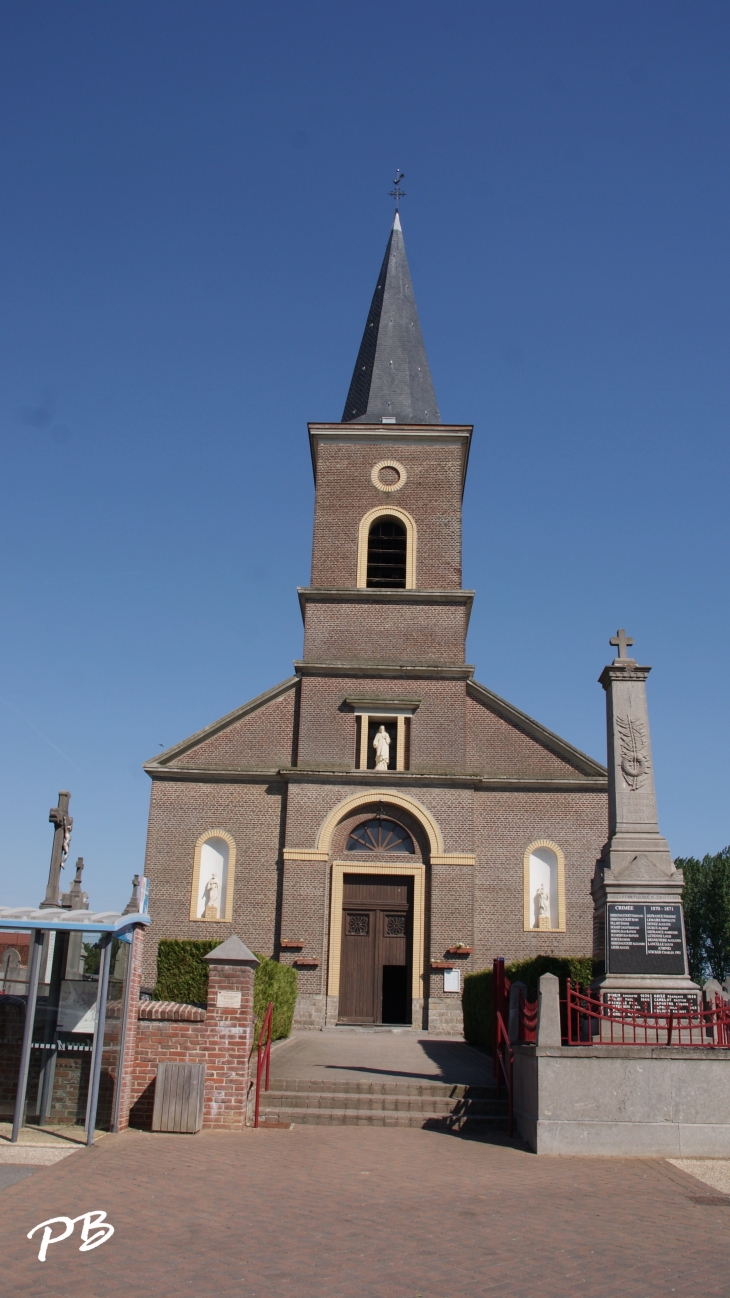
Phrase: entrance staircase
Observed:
(437, 1105)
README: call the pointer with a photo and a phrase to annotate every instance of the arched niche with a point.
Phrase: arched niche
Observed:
(544, 887)
(214, 867)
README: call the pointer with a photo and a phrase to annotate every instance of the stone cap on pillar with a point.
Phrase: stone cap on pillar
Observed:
(232, 951)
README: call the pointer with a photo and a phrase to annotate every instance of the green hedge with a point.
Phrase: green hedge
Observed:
(182, 975)
(476, 998)
(278, 983)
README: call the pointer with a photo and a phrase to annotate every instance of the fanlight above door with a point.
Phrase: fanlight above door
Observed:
(380, 835)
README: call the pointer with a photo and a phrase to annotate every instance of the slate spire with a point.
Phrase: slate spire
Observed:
(392, 380)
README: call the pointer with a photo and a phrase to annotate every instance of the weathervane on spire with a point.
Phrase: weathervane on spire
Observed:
(397, 193)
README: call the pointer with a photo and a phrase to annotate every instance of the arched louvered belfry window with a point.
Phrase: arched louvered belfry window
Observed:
(387, 551)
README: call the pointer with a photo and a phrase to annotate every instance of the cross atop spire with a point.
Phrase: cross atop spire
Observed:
(391, 382)
(397, 193)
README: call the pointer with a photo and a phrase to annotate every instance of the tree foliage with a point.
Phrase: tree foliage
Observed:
(707, 914)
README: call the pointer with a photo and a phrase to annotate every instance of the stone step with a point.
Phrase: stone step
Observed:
(436, 1089)
(393, 1103)
(381, 1118)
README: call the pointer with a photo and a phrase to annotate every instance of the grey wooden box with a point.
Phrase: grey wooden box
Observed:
(179, 1092)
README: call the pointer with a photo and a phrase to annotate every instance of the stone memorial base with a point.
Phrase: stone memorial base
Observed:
(625, 1101)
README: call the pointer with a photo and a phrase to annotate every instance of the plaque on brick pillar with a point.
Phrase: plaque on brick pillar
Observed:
(638, 926)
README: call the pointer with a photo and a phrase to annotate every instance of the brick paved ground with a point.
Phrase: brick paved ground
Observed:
(350, 1212)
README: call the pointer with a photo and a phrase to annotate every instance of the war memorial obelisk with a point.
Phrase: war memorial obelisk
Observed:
(638, 930)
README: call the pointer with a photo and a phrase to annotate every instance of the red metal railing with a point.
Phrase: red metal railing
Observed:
(504, 1064)
(596, 1020)
(528, 1020)
(264, 1057)
(500, 1002)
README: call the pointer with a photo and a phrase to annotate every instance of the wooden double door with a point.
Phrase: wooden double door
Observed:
(377, 949)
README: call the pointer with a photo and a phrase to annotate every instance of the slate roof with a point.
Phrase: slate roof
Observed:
(392, 379)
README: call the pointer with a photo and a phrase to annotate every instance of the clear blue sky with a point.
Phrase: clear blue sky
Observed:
(194, 209)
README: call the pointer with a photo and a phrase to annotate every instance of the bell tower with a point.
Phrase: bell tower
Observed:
(385, 601)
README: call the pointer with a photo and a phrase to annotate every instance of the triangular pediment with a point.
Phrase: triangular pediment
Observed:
(641, 869)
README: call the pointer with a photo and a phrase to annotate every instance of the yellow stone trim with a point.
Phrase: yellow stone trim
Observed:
(304, 854)
(528, 926)
(366, 522)
(454, 858)
(230, 881)
(388, 464)
(416, 871)
(338, 813)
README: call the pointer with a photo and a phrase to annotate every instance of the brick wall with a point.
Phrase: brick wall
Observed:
(179, 813)
(328, 725)
(418, 634)
(504, 826)
(431, 494)
(261, 740)
(494, 747)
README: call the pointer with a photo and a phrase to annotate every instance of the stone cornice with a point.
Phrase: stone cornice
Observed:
(492, 783)
(573, 756)
(392, 434)
(370, 701)
(209, 775)
(399, 671)
(414, 779)
(623, 669)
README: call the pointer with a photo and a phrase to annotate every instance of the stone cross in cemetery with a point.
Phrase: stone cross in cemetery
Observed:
(76, 898)
(63, 823)
(638, 926)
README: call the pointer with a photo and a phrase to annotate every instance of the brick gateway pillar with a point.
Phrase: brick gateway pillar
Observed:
(220, 1036)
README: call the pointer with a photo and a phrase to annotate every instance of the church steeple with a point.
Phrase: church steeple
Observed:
(392, 381)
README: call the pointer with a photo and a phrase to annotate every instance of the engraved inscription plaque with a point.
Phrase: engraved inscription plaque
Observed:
(644, 938)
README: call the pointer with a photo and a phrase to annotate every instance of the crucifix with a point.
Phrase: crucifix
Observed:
(397, 193)
(622, 641)
(62, 823)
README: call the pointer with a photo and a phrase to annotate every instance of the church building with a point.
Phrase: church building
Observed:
(380, 819)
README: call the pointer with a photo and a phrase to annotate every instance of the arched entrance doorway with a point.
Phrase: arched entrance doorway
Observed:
(376, 959)
(378, 851)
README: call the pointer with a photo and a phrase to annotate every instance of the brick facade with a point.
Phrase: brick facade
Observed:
(483, 780)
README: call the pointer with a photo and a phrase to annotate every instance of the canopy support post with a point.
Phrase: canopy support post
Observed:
(33, 975)
(95, 1074)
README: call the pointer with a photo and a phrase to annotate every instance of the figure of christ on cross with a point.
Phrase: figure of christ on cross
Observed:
(62, 823)
(621, 640)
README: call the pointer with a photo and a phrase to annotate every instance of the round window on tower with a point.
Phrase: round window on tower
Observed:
(388, 475)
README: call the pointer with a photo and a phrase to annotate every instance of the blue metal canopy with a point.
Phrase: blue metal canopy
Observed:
(69, 921)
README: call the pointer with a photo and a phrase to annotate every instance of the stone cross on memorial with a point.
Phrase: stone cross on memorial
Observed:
(621, 640)
(63, 823)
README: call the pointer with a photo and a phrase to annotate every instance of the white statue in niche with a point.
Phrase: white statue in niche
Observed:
(543, 888)
(211, 896)
(542, 907)
(381, 744)
(213, 878)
